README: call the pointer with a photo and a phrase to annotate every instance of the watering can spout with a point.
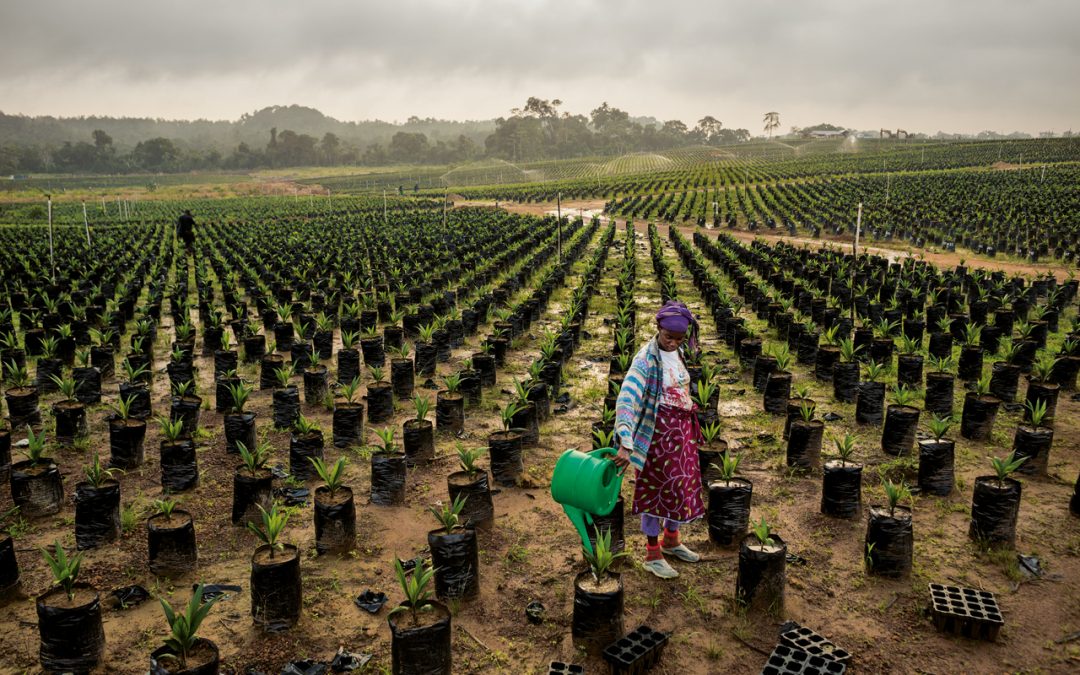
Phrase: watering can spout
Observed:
(586, 484)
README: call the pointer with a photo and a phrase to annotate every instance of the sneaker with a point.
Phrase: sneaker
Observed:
(682, 553)
(660, 568)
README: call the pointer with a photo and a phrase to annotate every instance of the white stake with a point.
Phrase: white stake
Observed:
(855, 255)
(86, 224)
(558, 207)
(104, 211)
(52, 259)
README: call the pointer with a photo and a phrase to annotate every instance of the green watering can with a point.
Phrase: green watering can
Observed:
(587, 484)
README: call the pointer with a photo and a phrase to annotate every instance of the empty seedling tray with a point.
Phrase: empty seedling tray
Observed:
(966, 612)
(560, 668)
(810, 642)
(636, 652)
(786, 660)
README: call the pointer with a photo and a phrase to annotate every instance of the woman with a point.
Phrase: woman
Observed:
(656, 424)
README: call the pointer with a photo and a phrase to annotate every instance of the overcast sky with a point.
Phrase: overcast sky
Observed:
(953, 65)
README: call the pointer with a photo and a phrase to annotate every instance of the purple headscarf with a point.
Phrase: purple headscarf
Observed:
(676, 317)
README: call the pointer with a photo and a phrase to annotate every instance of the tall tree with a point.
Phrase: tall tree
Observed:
(772, 121)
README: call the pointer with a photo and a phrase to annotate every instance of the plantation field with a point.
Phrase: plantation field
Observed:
(496, 307)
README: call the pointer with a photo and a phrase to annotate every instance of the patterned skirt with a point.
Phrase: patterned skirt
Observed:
(669, 485)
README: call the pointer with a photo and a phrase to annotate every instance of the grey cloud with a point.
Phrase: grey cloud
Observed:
(965, 63)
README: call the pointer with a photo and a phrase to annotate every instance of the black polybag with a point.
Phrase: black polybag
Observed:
(276, 593)
(729, 510)
(348, 424)
(506, 461)
(762, 575)
(179, 465)
(456, 560)
(301, 450)
(239, 428)
(130, 596)
(936, 475)
(97, 514)
(387, 478)
(286, 407)
(478, 511)
(994, 510)
(424, 650)
(889, 542)
(841, 490)
(335, 524)
(72, 639)
(371, 601)
(598, 617)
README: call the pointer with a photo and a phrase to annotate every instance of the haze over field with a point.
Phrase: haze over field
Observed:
(923, 66)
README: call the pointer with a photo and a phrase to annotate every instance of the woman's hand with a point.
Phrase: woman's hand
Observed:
(622, 458)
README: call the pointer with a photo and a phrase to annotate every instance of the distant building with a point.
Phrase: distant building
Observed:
(842, 133)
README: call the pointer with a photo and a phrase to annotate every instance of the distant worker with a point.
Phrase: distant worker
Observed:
(657, 428)
(185, 229)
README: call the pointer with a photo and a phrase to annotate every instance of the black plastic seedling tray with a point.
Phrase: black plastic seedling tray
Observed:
(560, 668)
(786, 660)
(810, 642)
(966, 612)
(636, 652)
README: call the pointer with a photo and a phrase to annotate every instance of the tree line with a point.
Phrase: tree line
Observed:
(537, 131)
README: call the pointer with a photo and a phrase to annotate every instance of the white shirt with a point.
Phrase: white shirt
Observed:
(675, 390)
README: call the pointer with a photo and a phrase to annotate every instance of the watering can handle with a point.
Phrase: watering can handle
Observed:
(600, 452)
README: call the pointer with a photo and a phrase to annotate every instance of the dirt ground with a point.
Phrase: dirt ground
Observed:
(532, 553)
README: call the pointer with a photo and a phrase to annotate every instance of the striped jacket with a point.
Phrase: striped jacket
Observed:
(639, 399)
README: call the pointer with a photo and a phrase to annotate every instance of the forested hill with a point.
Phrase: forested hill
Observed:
(223, 136)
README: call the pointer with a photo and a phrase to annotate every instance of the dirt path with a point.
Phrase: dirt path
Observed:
(892, 252)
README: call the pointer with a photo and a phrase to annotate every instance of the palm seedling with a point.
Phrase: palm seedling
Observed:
(729, 464)
(65, 385)
(283, 374)
(894, 493)
(603, 438)
(377, 375)
(422, 406)
(909, 345)
(939, 426)
(942, 364)
(35, 447)
(255, 459)
(602, 557)
(807, 410)
(349, 391)
(874, 370)
(415, 587)
(467, 458)
(506, 415)
(1004, 466)
(333, 475)
(448, 515)
(982, 385)
(348, 339)
(904, 396)
(387, 437)
(97, 474)
(273, 525)
(305, 426)
(704, 393)
(845, 448)
(184, 626)
(239, 393)
(762, 532)
(65, 570)
(848, 350)
(1036, 411)
(452, 382)
(783, 358)
(1043, 368)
